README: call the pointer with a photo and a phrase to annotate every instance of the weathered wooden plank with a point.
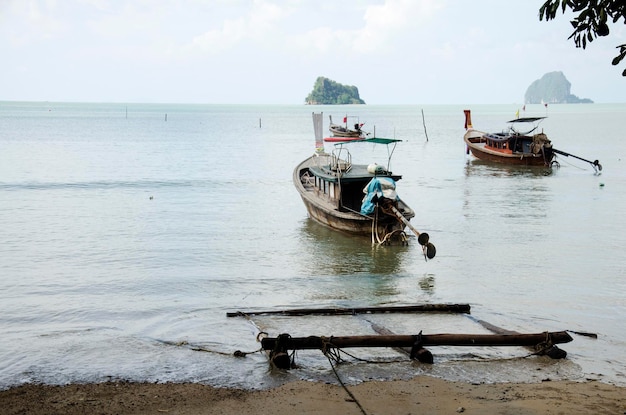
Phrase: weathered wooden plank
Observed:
(419, 308)
(544, 348)
(416, 352)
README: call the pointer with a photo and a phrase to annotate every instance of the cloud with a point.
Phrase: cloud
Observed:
(376, 30)
(387, 22)
(28, 21)
(393, 50)
(259, 25)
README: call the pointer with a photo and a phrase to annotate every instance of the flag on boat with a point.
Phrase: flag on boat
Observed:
(345, 119)
(318, 124)
(517, 114)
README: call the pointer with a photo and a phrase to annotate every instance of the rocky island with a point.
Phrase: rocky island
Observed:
(328, 92)
(552, 88)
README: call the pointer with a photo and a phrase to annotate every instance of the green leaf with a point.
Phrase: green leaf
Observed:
(555, 6)
(603, 29)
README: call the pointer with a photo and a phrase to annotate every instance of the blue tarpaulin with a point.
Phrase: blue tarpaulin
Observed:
(377, 187)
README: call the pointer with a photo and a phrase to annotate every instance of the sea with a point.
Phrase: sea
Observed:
(129, 231)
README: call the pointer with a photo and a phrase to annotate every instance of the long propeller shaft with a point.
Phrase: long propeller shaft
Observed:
(594, 163)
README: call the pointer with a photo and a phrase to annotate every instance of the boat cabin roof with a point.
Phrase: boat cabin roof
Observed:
(498, 137)
(375, 140)
(356, 173)
(338, 169)
(527, 119)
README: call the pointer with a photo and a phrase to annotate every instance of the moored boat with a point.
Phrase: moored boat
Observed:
(359, 199)
(511, 146)
(341, 132)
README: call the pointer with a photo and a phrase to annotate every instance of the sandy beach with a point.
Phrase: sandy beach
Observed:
(421, 395)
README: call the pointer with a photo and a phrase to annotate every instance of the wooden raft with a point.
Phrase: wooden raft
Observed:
(278, 347)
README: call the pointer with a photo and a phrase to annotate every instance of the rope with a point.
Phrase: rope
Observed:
(326, 349)
(543, 347)
(368, 360)
(573, 165)
(388, 235)
(374, 226)
(239, 353)
(548, 348)
(198, 348)
(333, 353)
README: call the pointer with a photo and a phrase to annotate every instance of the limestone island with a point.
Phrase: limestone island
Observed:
(552, 88)
(328, 92)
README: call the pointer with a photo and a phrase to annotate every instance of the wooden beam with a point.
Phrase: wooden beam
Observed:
(320, 342)
(417, 352)
(419, 308)
(550, 350)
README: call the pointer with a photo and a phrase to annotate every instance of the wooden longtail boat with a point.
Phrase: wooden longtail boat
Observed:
(359, 199)
(529, 148)
(342, 132)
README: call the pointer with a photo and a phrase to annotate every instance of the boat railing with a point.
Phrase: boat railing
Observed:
(322, 159)
(341, 160)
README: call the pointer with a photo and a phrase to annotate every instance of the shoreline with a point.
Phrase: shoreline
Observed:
(423, 395)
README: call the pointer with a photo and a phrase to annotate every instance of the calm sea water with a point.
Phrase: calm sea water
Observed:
(128, 232)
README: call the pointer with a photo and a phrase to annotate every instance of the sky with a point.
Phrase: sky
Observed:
(272, 51)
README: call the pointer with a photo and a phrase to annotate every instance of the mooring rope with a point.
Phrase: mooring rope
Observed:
(333, 355)
(574, 165)
(198, 348)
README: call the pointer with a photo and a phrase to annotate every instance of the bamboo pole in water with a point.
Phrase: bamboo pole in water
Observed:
(424, 122)
(419, 308)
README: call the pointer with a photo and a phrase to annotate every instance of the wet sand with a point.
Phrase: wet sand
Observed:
(422, 395)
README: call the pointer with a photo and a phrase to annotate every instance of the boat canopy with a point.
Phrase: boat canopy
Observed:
(339, 146)
(527, 119)
(375, 140)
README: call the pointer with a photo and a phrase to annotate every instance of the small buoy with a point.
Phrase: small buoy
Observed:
(151, 197)
(601, 184)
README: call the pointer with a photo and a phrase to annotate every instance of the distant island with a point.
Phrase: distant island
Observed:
(328, 92)
(552, 88)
